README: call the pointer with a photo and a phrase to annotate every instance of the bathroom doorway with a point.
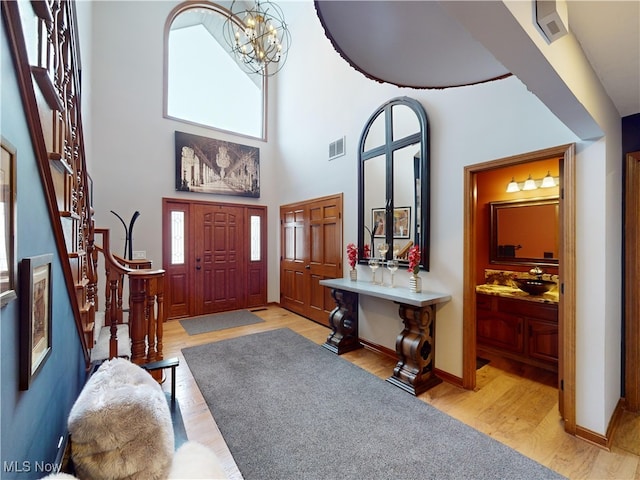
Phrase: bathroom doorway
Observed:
(473, 231)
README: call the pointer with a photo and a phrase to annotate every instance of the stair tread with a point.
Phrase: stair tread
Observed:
(86, 308)
(100, 350)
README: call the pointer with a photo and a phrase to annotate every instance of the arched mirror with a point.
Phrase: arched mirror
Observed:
(393, 188)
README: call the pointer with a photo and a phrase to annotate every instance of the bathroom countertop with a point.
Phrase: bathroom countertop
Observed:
(513, 292)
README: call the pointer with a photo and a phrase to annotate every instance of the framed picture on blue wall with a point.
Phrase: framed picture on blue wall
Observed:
(8, 217)
(35, 327)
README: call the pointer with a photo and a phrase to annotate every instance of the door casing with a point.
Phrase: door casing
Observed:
(631, 281)
(310, 251)
(183, 297)
(566, 273)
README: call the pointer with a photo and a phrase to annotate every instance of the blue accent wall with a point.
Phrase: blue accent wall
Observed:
(33, 420)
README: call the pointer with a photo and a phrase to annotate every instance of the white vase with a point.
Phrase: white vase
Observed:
(353, 274)
(415, 283)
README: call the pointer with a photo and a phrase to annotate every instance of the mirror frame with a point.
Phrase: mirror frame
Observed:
(386, 149)
(494, 208)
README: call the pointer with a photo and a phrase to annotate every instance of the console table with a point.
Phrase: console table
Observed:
(415, 345)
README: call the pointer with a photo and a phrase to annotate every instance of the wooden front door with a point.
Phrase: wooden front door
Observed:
(214, 255)
(311, 250)
(219, 262)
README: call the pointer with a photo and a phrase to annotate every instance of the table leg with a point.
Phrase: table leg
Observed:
(415, 347)
(344, 323)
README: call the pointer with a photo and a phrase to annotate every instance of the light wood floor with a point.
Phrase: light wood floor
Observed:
(514, 404)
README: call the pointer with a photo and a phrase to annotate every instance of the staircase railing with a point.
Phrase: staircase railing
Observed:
(146, 288)
(145, 306)
(43, 40)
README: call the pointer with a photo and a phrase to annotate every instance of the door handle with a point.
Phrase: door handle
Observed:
(307, 267)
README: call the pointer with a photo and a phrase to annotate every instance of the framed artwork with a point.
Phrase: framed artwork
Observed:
(378, 217)
(35, 330)
(207, 165)
(8, 217)
(402, 222)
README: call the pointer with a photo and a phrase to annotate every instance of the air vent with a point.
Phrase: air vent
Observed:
(337, 148)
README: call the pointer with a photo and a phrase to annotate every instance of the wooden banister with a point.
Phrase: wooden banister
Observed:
(136, 264)
(146, 302)
(50, 93)
(147, 308)
(56, 133)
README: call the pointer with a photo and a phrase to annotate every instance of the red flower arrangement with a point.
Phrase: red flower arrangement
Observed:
(414, 259)
(352, 254)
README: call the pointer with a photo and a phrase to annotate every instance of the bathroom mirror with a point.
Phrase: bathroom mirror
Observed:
(393, 190)
(525, 232)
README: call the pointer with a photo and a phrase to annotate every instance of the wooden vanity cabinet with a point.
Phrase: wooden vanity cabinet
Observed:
(497, 328)
(518, 329)
(543, 340)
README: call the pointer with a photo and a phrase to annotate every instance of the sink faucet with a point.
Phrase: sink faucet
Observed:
(536, 271)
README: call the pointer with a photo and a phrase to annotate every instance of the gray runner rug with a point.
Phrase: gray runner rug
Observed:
(290, 409)
(219, 321)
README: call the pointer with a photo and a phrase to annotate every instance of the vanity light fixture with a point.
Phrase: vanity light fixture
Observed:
(548, 181)
(513, 186)
(529, 184)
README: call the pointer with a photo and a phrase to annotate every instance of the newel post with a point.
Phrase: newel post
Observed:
(137, 320)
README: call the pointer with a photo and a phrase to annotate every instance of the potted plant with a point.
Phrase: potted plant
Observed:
(352, 256)
(415, 282)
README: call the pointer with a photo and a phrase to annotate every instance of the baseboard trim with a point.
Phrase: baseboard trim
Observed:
(603, 441)
(447, 377)
(616, 418)
(379, 348)
(592, 437)
(441, 374)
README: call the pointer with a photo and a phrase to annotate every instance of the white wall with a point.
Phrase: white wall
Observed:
(132, 152)
(316, 99)
(325, 99)
(598, 222)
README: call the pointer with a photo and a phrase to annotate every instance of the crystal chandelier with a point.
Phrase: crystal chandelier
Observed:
(258, 36)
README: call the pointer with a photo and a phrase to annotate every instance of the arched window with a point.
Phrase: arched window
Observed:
(203, 84)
